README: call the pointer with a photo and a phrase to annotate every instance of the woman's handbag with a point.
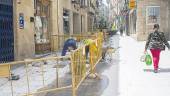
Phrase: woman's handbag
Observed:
(148, 59)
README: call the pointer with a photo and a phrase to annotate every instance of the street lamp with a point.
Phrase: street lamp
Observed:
(19, 1)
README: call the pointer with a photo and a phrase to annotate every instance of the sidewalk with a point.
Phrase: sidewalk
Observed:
(136, 79)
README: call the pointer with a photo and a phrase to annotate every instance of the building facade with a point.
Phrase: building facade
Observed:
(34, 22)
(150, 12)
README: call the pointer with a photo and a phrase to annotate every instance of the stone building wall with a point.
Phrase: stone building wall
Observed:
(143, 28)
(24, 38)
(24, 44)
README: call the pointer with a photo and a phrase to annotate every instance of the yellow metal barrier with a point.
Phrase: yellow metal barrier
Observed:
(31, 75)
(4, 71)
(96, 53)
(79, 70)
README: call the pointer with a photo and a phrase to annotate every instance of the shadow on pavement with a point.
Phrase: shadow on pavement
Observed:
(94, 87)
(161, 70)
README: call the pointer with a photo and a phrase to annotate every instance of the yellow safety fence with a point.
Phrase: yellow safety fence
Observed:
(79, 67)
(33, 72)
(42, 72)
(96, 52)
(57, 41)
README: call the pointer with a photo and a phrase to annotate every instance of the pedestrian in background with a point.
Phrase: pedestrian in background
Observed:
(156, 43)
(121, 30)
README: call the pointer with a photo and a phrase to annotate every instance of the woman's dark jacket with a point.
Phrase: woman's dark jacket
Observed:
(156, 40)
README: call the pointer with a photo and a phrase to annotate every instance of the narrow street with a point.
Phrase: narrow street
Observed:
(54, 47)
(126, 75)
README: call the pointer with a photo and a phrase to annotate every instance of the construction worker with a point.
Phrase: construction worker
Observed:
(70, 44)
(113, 30)
(87, 42)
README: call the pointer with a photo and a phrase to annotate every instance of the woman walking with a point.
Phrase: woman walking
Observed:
(156, 43)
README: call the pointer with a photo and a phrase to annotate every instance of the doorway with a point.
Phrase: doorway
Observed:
(6, 31)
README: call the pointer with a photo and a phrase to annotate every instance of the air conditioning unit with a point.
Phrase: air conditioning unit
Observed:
(75, 1)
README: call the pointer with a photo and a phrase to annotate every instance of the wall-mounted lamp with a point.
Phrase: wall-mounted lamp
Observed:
(18, 1)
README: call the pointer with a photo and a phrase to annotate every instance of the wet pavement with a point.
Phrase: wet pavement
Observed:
(126, 75)
(106, 86)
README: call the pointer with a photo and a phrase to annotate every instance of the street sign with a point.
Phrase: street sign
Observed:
(132, 4)
(21, 20)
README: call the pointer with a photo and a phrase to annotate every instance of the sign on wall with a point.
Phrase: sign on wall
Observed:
(21, 20)
(132, 4)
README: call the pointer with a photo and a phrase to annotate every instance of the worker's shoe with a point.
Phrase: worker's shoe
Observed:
(14, 77)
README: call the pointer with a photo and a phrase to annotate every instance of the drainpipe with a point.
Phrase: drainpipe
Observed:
(58, 17)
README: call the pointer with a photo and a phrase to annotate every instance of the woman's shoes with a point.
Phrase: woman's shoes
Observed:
(155, 71)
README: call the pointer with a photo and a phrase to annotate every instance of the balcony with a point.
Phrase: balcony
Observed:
(75, 1)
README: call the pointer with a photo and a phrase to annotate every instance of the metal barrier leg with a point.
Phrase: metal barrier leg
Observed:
(57, 79)
(10, 76)
(74, 92)
(42, 70)
(27, 74)
(94, 75)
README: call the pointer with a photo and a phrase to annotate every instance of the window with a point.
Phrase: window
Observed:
(82, 2)
(153, 14)
(66, 23)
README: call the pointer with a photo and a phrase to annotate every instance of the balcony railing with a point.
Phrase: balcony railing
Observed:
(75, 1)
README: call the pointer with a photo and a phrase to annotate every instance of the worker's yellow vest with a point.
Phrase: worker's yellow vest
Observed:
(87, 41)
(113, 27)
(91, 43)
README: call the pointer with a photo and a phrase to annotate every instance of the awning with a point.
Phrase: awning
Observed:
(131, 11)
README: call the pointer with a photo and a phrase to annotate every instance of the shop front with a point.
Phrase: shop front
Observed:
(42, 26)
